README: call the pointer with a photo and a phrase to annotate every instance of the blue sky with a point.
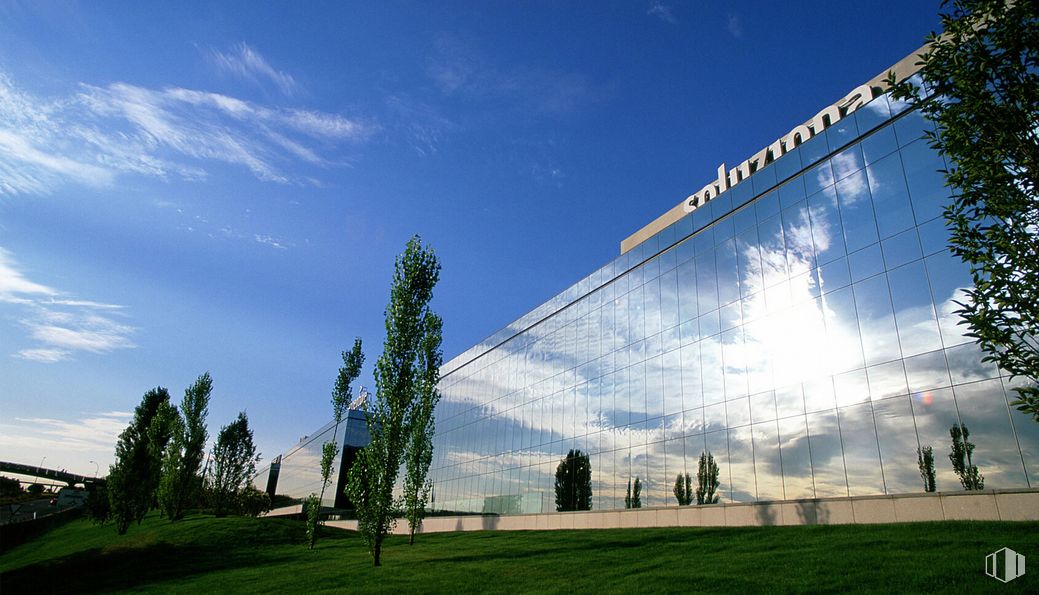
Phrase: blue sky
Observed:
(198, 187)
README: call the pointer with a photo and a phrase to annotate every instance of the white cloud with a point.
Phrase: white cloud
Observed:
(99, 133)
(13, 283)
(662, 11)
(270, 241)
(67, 443)
(61, 325)
(245, 62)
(457, 69)
(734, 25)
(47, 356)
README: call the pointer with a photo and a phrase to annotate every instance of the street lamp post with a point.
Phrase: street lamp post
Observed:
(40, 469)
(97, 468)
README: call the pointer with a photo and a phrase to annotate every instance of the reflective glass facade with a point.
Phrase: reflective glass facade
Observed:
(297, 473)
(799, 326)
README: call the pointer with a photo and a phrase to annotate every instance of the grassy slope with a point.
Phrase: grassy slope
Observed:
(236, 554)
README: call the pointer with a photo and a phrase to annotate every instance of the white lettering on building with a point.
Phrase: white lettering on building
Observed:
(829, 116)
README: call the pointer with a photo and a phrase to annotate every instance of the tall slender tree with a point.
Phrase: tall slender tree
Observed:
(925, 460)
(707, 480)
(398, 375)
(683, 489)
(341, 395)
(574, 482)
(180, 475)
(160, 432)
(130, 480)
(961, 456)
(422, 425)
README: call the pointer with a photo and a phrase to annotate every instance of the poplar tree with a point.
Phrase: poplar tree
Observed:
(707, 480)
(961, 456)
(574, 482)
(925, 461)
(422, 425)
(683, 489)
(341, 395)
(131, 486)
(180, 473)
(398, 381)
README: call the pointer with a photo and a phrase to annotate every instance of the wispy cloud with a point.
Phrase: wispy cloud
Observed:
(423, 127)
(60, 325)
(459, 70)
(94, 434)
(734, 25)
(247, 63)
(99, 133)
(662, 11)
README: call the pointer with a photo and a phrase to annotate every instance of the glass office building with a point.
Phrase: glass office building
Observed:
(800, 327)
(292, 476)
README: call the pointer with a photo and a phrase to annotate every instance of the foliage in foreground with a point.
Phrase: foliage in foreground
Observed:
(982, 92)
(399, 378)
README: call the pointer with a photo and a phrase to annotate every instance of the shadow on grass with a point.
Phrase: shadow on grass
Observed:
(97, 570)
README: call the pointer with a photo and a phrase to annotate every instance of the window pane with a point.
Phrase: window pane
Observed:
(827, 455)
(890, 196)
(768, 466)
(896, 434)
(797, 462)
(861, 454)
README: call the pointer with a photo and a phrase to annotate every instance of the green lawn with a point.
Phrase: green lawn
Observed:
(204, 554)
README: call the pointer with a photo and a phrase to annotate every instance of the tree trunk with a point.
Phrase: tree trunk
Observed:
(376, 552)
(411, 539)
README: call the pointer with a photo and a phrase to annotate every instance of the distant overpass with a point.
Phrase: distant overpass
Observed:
(71, 479)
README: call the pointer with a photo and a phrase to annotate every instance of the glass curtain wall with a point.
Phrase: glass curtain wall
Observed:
(800, 327)
(300, 467)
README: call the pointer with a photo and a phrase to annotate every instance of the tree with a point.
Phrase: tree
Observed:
(329, 450)
(421, 423)
(180, 473)
(398, 380)
(341, 395)
(234, 462)
(960, 455)
(981, 81)
(633, 498)
(574, 482)
(160, 432)
(10, 487)
(925, 460)
(707, 480)
(252, 501)
(312, 506)
(684, 489)
(130, 478)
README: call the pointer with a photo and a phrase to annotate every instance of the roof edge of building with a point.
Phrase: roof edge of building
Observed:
(903, 69)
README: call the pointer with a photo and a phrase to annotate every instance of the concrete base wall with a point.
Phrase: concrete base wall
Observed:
(988, 505)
